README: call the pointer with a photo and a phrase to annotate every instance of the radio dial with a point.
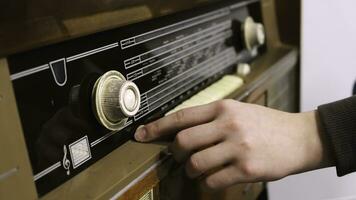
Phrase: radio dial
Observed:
(114, 100)
(254, 34)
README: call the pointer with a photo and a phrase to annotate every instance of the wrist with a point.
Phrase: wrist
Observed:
(316, 152)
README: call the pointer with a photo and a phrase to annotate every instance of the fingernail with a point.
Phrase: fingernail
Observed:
(140, 134)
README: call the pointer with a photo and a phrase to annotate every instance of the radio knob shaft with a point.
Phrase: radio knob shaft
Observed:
(115, 100)
(254, 34)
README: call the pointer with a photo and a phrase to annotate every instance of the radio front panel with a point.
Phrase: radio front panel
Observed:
(169, 59)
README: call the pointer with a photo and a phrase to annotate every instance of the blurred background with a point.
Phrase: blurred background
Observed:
(328, 73)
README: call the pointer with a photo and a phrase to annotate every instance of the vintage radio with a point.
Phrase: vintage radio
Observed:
(83, 89)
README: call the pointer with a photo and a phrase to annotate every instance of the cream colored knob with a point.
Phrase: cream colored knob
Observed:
(114, 100)
(243, 69)
(254, 34)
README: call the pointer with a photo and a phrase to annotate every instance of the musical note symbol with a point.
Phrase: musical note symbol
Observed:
(66, 161)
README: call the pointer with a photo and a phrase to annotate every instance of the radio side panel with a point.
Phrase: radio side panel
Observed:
(16, 180)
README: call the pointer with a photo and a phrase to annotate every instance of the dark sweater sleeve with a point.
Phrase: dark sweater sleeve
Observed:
(338, 121)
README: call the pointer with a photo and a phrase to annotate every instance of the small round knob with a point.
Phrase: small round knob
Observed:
(243, 69)
(254, 34)
(114, 100)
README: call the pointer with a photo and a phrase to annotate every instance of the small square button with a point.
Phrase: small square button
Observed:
(80, 151)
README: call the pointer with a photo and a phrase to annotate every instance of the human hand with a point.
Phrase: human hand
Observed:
(229, 142)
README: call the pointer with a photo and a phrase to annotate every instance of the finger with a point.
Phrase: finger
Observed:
(230, 175)
(208, 159)
(222, 178)
(195, 138)
(176, 121)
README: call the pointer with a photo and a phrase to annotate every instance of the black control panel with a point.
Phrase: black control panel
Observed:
(168, 58)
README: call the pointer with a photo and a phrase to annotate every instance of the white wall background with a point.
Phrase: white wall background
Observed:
(328, 73)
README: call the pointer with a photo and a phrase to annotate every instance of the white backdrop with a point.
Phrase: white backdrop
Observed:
(328, 73)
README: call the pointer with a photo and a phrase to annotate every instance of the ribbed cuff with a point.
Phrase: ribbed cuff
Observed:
(338, 121)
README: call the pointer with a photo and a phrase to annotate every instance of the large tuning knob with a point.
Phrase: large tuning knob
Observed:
(114, 99)
(254, 34)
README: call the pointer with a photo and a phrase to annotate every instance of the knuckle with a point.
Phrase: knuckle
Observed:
(232, 124)
(195, 164)
(181, 141)
(224, 105)
(221, 106)
(179, 116)
(245, 144)
(152, 128)
(211, 183)
(248, 170)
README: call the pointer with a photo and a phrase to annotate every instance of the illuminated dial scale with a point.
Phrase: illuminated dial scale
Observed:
(115, 99)
(254, 37)
(217, 91)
